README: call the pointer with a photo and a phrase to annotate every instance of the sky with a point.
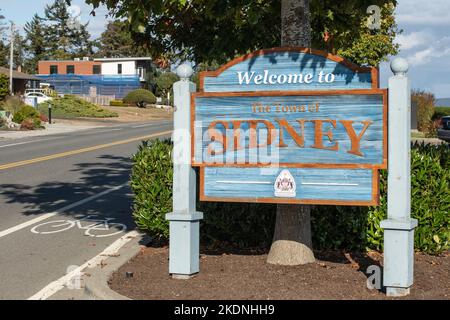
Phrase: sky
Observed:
(425, 41)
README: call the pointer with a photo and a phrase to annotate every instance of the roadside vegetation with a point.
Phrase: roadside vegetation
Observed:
(70, 106)
(428, 114)
(140, 97)
(24, 117)
(440, 112)
(251, 225)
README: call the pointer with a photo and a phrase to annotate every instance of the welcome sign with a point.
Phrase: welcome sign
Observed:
(290, 125)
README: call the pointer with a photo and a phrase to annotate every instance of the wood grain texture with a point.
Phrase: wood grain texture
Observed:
(345, 187)
(362, 105)
(287, 61)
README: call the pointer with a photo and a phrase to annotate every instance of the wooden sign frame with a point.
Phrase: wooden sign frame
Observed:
(374, 90)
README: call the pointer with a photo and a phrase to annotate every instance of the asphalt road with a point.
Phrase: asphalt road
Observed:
(48, 185)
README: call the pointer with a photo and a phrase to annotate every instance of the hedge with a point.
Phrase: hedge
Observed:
(440, 112)
(334, 227)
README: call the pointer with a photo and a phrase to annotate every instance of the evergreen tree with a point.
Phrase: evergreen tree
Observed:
(65, 37)
(3, 40)
(116, 41)
(19, 50)
(34, 43)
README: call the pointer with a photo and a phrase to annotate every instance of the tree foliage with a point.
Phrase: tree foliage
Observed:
(64, 38)
(217, 30)
(164, 83)
(35, 42)
(4, 86)
(425, 102)
(116, 41)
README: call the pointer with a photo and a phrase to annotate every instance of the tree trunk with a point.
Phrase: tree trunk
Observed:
(292, 244)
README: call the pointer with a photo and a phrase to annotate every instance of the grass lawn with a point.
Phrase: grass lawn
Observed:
(72, 107)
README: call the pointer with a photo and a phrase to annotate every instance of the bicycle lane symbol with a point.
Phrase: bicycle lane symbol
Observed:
(93, 226)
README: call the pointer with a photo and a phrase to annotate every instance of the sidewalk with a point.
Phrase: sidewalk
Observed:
(54, 128)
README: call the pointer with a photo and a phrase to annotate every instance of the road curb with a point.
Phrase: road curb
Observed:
(96, 279)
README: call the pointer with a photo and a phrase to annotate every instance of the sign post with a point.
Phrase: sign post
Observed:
(399, 227)
(184, 220)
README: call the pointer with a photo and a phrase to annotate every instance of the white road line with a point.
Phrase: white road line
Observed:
(63, 209)
(109, 130)
(99, 131)
(59, 284)
(25, 142)
(143, 125)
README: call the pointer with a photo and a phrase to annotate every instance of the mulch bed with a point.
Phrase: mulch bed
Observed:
(334, 275)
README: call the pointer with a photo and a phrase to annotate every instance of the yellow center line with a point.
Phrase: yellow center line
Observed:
(78, 151)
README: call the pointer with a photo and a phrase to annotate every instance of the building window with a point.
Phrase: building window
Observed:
(96, 69)
(119, 68)
(141, 72)
(53, 69)
(70, 69)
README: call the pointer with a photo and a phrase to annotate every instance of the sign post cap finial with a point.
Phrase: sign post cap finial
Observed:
(399, 66)
(184, 71)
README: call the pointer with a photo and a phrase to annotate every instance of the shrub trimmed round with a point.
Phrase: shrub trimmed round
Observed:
(140, 97)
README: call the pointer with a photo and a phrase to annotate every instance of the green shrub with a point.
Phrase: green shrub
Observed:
(71, 106)
(4, 86)
(140, 97)
(31, 124)
(12, 104)
(151, 181)
(334, 227)
(26, 112)
(440, 112)
(117, 103)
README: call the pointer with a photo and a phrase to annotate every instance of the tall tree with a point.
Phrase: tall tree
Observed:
(35, 43)
(292, 241)
(116, 41)
(18, 53)
(4, 53)
(65, 37)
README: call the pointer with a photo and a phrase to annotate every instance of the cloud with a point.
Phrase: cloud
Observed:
(414, 40)
(420, 12)
(438, 49)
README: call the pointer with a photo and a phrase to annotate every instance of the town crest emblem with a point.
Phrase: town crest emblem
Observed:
(285, 185)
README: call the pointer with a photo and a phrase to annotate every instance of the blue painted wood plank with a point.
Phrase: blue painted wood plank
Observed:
(311, 184)
(287, 63)
(357, 108)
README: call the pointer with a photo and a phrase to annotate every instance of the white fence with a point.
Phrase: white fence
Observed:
(98, 100)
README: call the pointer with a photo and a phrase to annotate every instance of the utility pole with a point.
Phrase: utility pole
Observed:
(11, 59)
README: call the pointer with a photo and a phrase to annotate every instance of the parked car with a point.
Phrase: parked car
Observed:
(39, 97)
(444, 130)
